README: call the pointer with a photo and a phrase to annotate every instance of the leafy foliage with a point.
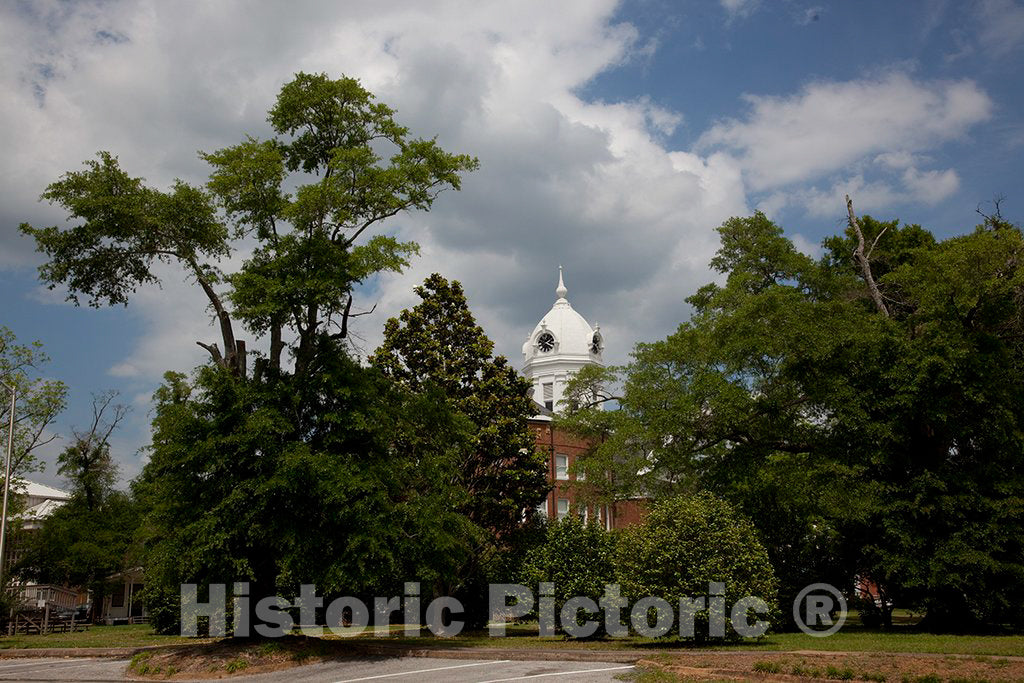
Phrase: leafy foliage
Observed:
(91, 537)
(577, 557)
(298, 278)
(881, 445)
(38, 402)
(438, 346)
(685, 544)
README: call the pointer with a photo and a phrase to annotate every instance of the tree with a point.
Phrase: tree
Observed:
(278, 472)
(39, 401)
(89, 538)
(437, 348)
(879, 441)
(86, 463)
(298, 279)
(437, 345)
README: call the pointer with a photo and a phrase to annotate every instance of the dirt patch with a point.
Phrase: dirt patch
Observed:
(881, 667)
(231, 657)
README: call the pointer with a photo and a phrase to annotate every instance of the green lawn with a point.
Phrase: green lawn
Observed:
(97, 636)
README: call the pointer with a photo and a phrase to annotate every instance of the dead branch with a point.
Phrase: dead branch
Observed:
(862, 259)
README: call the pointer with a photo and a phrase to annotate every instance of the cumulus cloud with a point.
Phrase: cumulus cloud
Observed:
(588, 184)
(829, 125)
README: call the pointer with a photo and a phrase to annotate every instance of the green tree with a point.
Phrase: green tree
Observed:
(38, 403)
(868, 425)
(298, 280)
(287, 471)
(437, 345)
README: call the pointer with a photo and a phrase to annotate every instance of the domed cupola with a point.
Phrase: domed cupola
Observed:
(561, 343)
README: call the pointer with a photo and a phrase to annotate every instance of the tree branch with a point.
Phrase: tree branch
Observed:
(862, 260)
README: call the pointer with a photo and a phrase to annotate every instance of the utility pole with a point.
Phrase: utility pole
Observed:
(7, 482)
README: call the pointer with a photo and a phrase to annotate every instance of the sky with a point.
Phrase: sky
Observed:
(613, 138)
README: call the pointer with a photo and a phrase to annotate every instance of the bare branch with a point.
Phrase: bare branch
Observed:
(862, 260)
(214, 351)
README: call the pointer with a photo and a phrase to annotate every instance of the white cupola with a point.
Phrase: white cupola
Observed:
(561, 343)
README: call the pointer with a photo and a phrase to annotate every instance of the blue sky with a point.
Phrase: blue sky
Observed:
(613, 138)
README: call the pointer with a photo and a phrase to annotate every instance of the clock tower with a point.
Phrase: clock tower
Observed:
(561, 344)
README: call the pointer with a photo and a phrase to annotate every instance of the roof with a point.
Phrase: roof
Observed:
(44, 509)
(573, 335)
(37, 490)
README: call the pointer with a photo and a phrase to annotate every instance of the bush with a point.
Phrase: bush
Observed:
(578, 558)
(688, 542)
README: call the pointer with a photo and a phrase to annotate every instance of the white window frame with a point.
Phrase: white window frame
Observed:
(563, 503)
(561, 470)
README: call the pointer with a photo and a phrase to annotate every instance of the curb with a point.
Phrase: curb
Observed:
(81, 652)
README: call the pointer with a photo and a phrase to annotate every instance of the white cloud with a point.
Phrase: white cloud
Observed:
(588, 184)
(831, 126)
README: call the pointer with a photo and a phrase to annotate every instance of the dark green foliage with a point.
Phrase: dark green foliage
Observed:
(860, 443)
(437, 349)
(438, 346)
(287, 470)
(346, 482)
(577, 557)
(687, 542)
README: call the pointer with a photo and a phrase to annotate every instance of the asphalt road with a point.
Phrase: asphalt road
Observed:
(376, 669)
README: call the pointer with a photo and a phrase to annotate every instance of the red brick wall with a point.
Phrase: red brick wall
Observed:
(557, 442)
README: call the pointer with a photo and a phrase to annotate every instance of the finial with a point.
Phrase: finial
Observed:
(561, 291)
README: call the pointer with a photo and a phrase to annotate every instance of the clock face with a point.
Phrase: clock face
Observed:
(595, 344)
(546, 342)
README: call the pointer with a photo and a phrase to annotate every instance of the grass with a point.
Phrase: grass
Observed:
(136, 635)
(851, 639)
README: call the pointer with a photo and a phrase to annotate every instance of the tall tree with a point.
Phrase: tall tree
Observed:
(311, 246)
(282, 471)
(879, 440)
(438, 345)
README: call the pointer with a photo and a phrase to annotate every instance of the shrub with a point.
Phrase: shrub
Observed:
(578, 558)
(686, 543)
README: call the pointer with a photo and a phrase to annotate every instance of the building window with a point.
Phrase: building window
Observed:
(561, 466)
(542, 509)
(563, 508)
(117, 596)
(549, 395)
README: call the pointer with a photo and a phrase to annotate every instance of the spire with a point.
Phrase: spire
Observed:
(561, 291)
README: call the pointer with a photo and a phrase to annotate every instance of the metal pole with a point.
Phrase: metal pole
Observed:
(7, 485)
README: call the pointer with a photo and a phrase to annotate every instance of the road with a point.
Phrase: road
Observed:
(375, 669)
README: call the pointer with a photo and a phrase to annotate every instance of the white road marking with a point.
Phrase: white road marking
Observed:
(422, 671)
(41, 662)
(559, 673)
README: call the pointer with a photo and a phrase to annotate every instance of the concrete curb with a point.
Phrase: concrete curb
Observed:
(81, 652)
